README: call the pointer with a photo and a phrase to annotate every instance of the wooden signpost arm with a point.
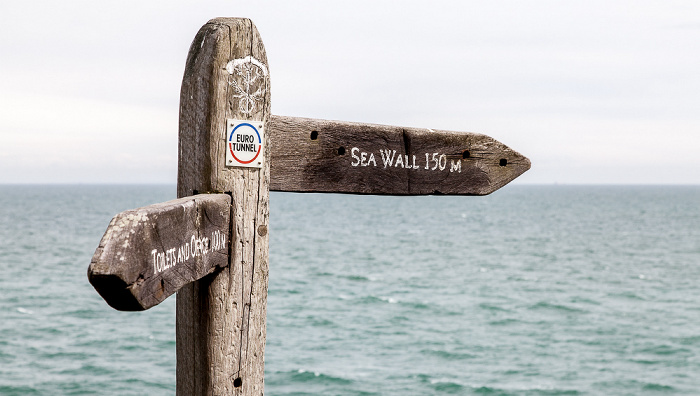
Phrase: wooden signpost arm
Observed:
(221, 318)
(147, 254)
(350, 157)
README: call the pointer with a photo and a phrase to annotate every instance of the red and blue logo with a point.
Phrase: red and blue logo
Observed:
(244, 144)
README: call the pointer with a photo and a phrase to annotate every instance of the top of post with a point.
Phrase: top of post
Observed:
(226, 78)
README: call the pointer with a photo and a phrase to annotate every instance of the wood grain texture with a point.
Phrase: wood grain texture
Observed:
(221, 318)
(311, 155)
(149, 253)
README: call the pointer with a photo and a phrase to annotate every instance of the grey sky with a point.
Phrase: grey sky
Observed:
(591, 92)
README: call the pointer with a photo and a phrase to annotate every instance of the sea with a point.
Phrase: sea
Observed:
(532, 290)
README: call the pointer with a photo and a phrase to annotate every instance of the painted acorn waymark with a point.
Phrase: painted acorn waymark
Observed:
(247, 78)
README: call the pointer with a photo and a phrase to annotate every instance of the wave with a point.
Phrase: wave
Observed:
(310, 377)
(448, 355)
(543, 305)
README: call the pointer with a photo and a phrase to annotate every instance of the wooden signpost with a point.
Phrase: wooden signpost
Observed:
(211, 244)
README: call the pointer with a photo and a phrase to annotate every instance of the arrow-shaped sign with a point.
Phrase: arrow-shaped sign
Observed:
(310, 155)
(149, 253)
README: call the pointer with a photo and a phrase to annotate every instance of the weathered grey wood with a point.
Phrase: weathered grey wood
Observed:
(221, 318)
(327, 156)
(221, 303)
(149, 253)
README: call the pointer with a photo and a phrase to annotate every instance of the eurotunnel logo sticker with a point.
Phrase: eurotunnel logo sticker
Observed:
(244, 144)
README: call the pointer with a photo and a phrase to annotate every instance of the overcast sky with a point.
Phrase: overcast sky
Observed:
(592, 92)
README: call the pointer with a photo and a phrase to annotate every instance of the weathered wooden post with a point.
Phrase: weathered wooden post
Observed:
(221, 318)
(148, 254)
(211, 244)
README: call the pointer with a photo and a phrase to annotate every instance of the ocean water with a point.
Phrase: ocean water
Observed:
(533, 290)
